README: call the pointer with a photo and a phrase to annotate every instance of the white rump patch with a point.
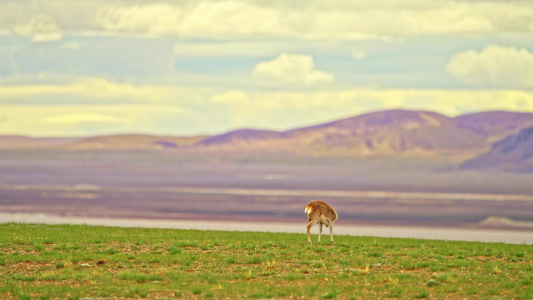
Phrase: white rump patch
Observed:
(308, 210)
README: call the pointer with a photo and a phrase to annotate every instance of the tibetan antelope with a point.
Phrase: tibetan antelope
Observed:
(322, 213)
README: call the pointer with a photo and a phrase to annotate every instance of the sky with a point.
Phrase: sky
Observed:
(86, 68)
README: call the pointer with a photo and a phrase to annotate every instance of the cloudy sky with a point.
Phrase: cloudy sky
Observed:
(82, 68)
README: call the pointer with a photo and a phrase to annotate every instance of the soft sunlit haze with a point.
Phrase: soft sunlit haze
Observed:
(86, 68)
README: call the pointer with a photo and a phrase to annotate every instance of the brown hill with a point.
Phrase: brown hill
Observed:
(512, 153)
(133, 142)
(24, 142)
(382, 133)
(389, 132)
(242, 138)
(495, 125)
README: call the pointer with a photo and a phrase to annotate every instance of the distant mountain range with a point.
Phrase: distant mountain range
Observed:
(390, 132)
(133, 142)
(514, 152)
(24, 142)
(383, 133)
(494, 138)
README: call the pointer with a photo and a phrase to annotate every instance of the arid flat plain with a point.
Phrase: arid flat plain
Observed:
(151, 186)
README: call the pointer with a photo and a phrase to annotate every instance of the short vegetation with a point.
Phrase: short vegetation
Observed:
(72, 261)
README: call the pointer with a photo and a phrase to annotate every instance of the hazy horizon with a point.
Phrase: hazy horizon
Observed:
(236, 129)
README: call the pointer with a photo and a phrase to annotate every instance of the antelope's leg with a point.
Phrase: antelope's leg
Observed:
(331, 231)
(320, 231)
(311, 223)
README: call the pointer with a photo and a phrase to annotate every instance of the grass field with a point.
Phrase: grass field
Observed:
(73, 261)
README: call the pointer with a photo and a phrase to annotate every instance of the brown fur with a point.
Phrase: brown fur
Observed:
(322, 213)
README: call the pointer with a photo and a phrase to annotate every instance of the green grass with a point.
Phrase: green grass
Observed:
(73, 262)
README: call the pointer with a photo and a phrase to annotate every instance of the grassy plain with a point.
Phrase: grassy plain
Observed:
(78, 261)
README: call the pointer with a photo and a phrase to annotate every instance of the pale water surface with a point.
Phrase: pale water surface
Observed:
(451, 234)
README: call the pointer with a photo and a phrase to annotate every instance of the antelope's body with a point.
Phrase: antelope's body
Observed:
(322, 213)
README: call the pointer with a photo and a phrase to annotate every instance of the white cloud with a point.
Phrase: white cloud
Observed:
(76, 118)
(239, 19)
(96, 88)
(236, 19)
(292, 69)
(317, 20)
(156, 19)
(223, 19)
(41, 28)
(232, 97)
(495, 65)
